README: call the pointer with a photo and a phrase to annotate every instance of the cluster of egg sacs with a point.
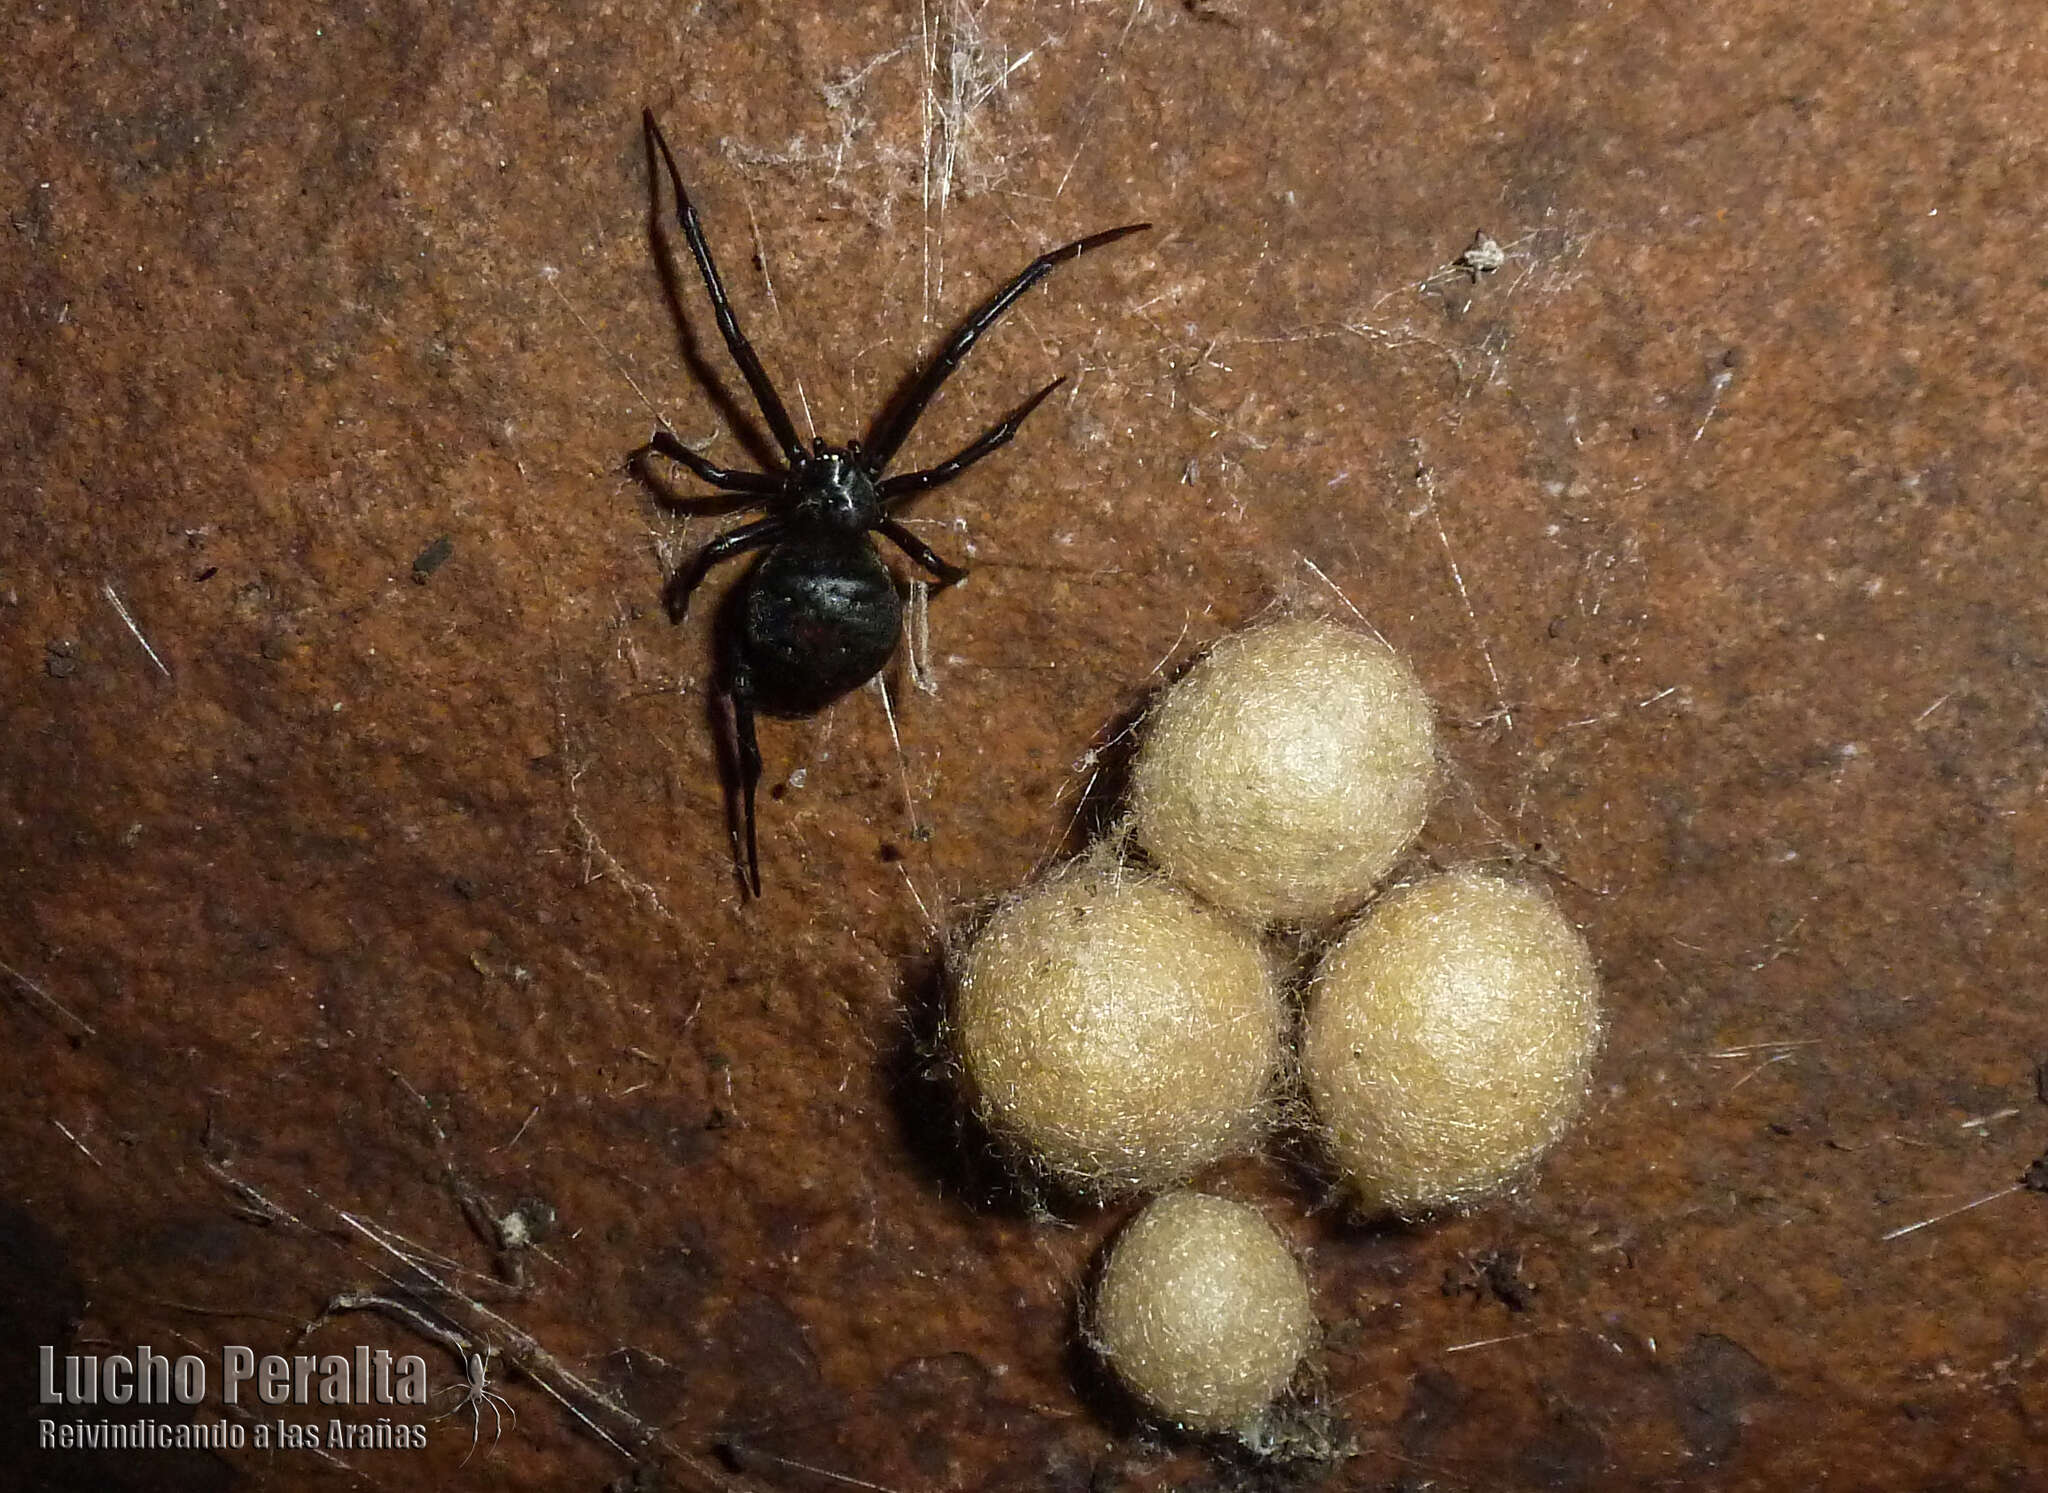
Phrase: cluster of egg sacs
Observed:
(1125, 1025)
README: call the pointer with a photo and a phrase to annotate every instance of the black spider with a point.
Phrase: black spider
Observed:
(819, 614)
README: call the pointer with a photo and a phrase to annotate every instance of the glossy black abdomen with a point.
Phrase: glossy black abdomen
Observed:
(820, 617)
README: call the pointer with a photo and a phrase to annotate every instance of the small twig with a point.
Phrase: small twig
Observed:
(66, 1133)
(508, 1145)
(1752, 1073)
(128, 617)
(742, 1450)
(902, 758)
(549, 275)
(261, 1207)
(1335, 590)
(1716, 387)
(1990, 1197)
(1981, 1121)
(1348, 604)
(1187, 621)
(1095, 91)
(1488, 1342)
(47, 999)
(1427, 480)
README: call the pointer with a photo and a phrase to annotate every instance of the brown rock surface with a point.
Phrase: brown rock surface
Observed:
(1712, 514)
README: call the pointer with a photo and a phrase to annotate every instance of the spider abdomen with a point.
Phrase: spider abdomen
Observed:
(821, 616)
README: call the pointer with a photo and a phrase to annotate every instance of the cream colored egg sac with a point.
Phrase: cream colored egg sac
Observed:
(1449, 1038)
(1283, 775)
(1116, 1031)
(1203, 1312)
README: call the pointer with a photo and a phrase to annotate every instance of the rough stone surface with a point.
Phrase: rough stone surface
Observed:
(1710, 520)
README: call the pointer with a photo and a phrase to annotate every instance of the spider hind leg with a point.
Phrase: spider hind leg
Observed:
(738, 694)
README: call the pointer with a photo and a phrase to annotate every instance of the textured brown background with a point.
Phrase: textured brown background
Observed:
(1711, 520)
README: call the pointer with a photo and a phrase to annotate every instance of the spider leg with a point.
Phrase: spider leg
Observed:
(676, 594)
(904, 485)
(918, 550)
(739, 695)
(897, 423)
(664, 443)
(736, 342)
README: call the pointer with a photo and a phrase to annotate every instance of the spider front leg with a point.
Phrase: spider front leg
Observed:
(772, 408)
(896, 424)
(676, 594)
(906, 485)
(918, 550)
